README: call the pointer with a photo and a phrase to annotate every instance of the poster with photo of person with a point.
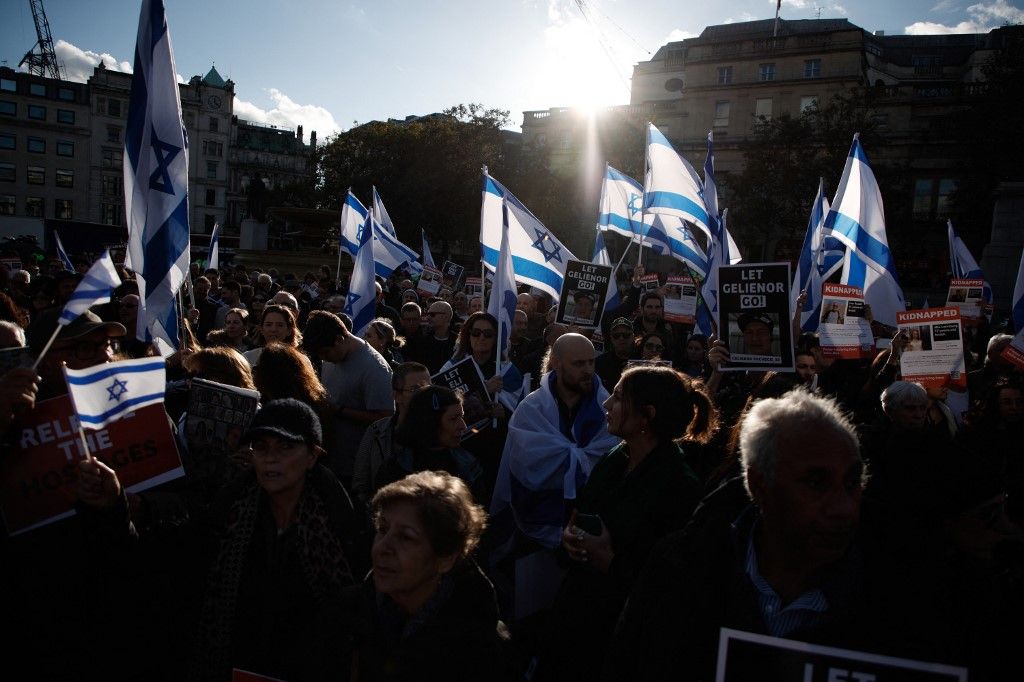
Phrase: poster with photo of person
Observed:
(935, 354)
(649, 282)
(465, 378)
(754, 316)
(584, 292)
(430, 282)
(473, 288)
(217, 416)
(680, 299)
(843, 330)
(966, 295)
(451, 275)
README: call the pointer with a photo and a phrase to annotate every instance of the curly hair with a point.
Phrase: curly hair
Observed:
(285, 372)
(452, 520)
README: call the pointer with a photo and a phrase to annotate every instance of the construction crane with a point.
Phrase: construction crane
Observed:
(41, 60)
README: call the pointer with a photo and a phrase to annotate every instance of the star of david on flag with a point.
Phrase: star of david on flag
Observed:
(117, 389)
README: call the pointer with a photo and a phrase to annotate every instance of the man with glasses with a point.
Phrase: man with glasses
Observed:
(86, 342)
(611, 363)
(435, 347)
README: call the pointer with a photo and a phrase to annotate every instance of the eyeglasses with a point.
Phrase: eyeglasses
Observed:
(413, 389)
(653, 346)
(621, 335)
(486, 333)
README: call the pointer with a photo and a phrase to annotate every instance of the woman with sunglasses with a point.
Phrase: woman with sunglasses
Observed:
(652, 346)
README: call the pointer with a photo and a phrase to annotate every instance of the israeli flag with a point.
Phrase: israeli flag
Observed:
(62, 254)
(682, 246)
(213, 257)
(857, 219)
(722, 250)
(807, 276)
(502, 302)
(156, 180)
(96, 287)
(538, 258)
(428, 258)
(105, 393)
(600, 257)
(361, 303)
(621, 211)
(353, 214)
(671, 186)
(389, 254)
(380, 214)
(962, 263)
(1018, 298)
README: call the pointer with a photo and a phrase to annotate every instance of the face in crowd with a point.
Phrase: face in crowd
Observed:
(653, 348)
(622, 340)
(275, 328)
(234, 326)
(281, 464)
(410, 384)
(572, 358)
(805, 367)
(440, 314)
(482, 339)
(653, 310)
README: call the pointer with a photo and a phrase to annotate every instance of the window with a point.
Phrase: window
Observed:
(36, 175)
(65, 116)
(6, 204)
(209, 221)
(8, 108)
(6, 172)
(62, 209)
(37, 89)
(114, 134)
(211, 170)
(37, 145)
(112, 185)
(34, 207)
(810, 102)
(66, 94)
(65, 148)
(37, 112)
(114, 107)
(111, 158)
(763, 107)
(65, 177)
(7, 141)
(812, 68)
(110, 214)
(721, 113)
(211, 148)
(766, 72)
(8, 85)
(724, 75)
(211, 197)
(214, 124)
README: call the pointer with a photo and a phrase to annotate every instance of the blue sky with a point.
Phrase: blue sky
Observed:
(325, 64)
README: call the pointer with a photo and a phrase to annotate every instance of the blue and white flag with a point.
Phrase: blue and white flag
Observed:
(62, 254)
(96, 287)
(671, 186)
(428, 258)
(857, 219)
(537, 256)
(213, 257)
(601, 257)
(353, 215)
(156, 180)
(389, 254)
(361, 303)
(1018, 298)
(807, 276)
(621, 211)
(380, 214)
(962, 264)
(710, 193)
(683, 246)
(105, 393)
(502, 303)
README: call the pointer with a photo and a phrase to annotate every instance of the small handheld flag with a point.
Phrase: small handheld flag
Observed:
(107, 392)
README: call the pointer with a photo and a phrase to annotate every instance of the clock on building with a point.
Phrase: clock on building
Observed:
(213, 101)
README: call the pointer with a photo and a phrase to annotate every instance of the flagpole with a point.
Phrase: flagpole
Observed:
(85, 444)
(53, 337)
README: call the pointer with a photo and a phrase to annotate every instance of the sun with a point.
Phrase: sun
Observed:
(576, 71)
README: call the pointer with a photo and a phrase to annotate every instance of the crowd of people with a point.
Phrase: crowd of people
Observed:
(625, 501)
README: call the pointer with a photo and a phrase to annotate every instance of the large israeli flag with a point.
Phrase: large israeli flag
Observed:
(428, 258)
(156, 180)
(682, 246)
(96, 287)
(538, 258)
(807, 276)
(1018, 298)
(107, 392)
(213, 257)
(502, 302)
(857, 219)
(601, 257)
(353, 214)
(380, 214)
(621, 211)
(361, 303)
(962, 263)
(671, 186)
(389, 254)
(62, 254)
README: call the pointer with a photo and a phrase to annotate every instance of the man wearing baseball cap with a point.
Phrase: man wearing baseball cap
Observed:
(85, 342)
(611, 363)
(757, 333)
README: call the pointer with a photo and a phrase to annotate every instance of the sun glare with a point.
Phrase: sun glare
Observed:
(576, 71)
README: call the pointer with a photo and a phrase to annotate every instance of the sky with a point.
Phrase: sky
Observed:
(326, 64)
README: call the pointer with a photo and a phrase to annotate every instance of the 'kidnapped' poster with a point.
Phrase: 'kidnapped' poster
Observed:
(754, 316)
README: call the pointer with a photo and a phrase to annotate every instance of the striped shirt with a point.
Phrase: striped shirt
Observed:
(806, 610)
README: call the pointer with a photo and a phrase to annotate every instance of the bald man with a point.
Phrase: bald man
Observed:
(555, 437)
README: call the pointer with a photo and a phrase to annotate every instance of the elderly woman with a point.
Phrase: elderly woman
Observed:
(278, 324)
(429, 612)
(278, 559)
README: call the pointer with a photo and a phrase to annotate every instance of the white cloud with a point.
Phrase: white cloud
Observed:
(746, 16)
(677, 34)
(288, 113)
(79, 63)
(983, 17)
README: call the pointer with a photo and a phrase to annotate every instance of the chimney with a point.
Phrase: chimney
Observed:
(298, 133)
(312, 140)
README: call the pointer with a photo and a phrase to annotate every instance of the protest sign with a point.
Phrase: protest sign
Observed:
(429, 283)
(1014, 352)
(218, 415)
(935, 356)
(754, 316)
(966, 295)
(680, 299)
(843, 330)
(597, 339)
(744, 656)
(474, 288)
(451, 275)
(584, 293)
(38, 475)
(649, 282)
(465, 378)
(11, 262)
(12, 358)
